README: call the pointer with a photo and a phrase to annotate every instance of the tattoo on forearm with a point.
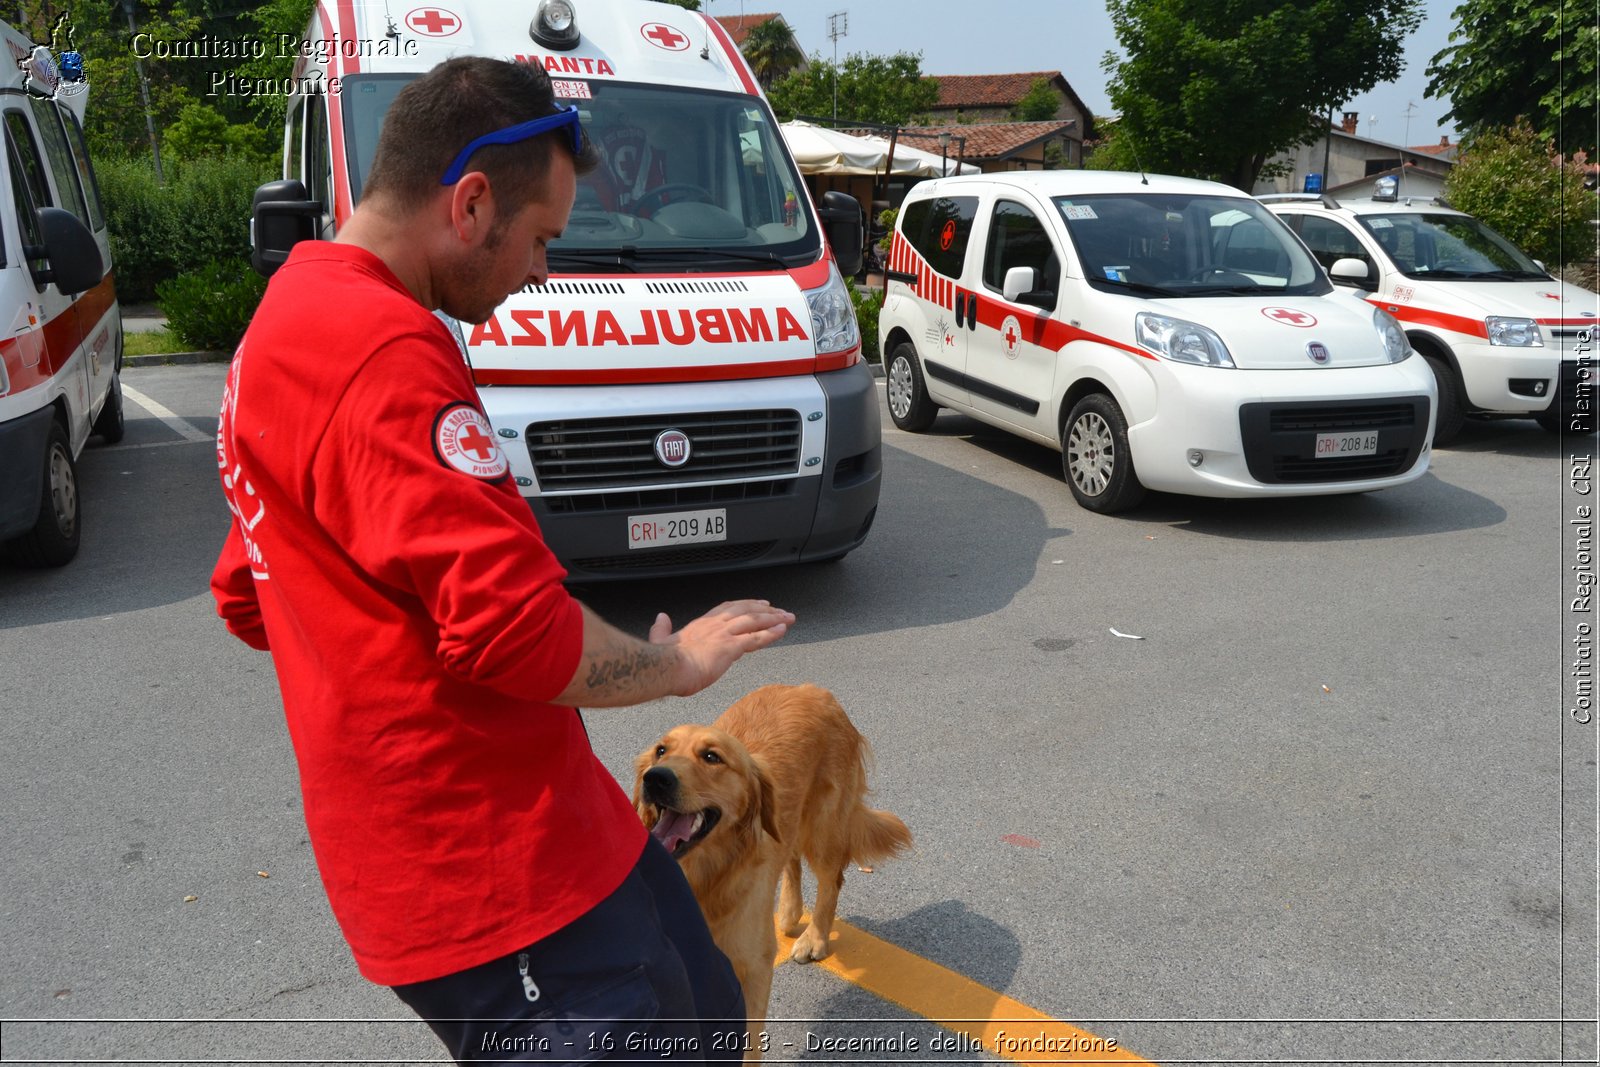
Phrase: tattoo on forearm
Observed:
(628, 671)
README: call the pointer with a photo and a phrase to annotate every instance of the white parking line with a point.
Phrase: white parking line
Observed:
(177, 425)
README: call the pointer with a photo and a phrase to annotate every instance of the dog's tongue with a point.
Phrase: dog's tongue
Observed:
(673, 829)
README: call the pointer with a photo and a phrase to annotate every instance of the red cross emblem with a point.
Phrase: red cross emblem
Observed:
(1290, 317)
(433, 21)
(1011, 334)
(947, 235)
(464, 440)
(663, 36)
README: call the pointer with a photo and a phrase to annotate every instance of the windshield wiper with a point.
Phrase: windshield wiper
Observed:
(617, 260)
(1137, 287)
(1212, 290)
(1509, 275)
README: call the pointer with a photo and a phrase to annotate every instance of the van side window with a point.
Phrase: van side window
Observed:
(56, 153)
(80, 159)
(1331, 241)
(939, 229)
(1018, 239)
(297, 132)
(318, 160)
(28, 187)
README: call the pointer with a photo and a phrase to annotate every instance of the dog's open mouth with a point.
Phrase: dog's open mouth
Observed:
(679, 831)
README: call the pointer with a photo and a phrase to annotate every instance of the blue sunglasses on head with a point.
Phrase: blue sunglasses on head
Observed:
(567, 116)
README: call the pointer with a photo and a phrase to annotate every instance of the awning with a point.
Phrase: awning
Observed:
(819, 150)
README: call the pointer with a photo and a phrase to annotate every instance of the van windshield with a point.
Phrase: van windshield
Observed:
(1440, 245)
(688, 178)
(1177, 245)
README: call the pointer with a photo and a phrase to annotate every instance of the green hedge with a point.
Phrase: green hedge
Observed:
(209, 308)
(201, 215)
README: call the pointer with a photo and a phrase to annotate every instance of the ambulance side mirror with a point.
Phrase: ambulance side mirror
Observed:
(1020, 287)
(846, 232)
(1349, 271)
(75, 263)
(281, 217)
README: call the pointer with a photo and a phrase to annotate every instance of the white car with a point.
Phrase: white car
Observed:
(1501, 334)
(1163, 333)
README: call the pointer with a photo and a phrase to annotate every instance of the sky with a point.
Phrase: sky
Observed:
(1003, 36)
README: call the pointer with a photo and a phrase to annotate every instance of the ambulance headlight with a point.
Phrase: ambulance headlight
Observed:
(833, 315)
(1395, 344)
(1513, 333)
(1180, 341)
(555, 25)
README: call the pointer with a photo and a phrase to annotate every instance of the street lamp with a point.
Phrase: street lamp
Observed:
(944, 153)
(144, 91)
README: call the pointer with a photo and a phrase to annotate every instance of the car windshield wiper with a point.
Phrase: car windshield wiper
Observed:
(626, 257)
(1137, 287)
(1509, 275)
(1212, 290)
(593, 257)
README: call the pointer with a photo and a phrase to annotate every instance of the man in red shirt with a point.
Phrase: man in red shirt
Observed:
(477, 856)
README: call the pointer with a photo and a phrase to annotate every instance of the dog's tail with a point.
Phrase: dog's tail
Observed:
(877, 835)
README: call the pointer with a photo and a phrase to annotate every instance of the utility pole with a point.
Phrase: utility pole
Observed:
(838, 26)
(1410, 107)
(144, 92)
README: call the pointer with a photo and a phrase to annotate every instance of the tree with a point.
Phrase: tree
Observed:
(1511, 179)
(770, 49)
(1525, 58)
(1041, 104)
(688, 5)
(886, 89)
(1216, 89)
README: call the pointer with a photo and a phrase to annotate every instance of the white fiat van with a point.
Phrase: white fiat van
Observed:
(1503, 337)
(61, 355)
(1163, 333)
(687, 392)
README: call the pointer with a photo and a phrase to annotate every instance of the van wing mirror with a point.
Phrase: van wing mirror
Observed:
(1021, 287)
(69, 247)
(1349, 269)
(843, 223)
(281, 217)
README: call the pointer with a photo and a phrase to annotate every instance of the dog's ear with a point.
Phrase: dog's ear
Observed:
(647, 812)
(766, 800)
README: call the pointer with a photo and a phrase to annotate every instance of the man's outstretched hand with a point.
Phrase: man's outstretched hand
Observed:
(709, 645)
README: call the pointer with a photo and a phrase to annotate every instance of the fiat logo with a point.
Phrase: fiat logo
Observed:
(672, 448)
(1317, 351)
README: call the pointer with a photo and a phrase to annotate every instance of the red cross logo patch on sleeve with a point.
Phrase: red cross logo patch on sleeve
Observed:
(464, 440)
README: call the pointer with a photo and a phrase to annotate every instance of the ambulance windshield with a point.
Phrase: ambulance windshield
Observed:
(1179, 245)
(688, 179)
(1441, 245)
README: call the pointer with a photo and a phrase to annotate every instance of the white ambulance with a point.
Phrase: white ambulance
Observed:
(1503, 337)
(1163, 333)
(61, 354)
(687, 391)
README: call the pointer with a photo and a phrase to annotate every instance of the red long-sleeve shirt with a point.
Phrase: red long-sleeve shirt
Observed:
(418, 626)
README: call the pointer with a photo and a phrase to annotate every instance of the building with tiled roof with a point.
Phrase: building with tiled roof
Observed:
(739, 26)
(996, 146)
(992, 99)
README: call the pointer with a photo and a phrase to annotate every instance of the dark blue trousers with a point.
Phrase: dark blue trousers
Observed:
(637, 978)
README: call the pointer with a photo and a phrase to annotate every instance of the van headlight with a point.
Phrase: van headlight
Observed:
(1183, 342)
(1513, 333)
(1395, 343)
(833, 315)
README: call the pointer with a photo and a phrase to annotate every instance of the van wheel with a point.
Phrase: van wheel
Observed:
(1095, 456)
(909, 404)
(53, 541)
(109, 423)
(1450, 418)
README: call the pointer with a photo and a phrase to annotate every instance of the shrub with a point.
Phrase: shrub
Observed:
(201, 214)
(868, 304)
(1511, 179)
(209, 308)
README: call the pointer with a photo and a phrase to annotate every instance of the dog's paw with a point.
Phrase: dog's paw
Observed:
(809, 947)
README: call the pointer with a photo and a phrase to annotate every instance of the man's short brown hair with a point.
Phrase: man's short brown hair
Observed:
(461, 99)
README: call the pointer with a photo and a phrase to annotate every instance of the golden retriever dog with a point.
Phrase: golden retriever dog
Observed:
(781, 775)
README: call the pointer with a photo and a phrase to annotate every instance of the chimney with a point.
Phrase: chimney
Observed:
(1350, 121)
(1444, 141)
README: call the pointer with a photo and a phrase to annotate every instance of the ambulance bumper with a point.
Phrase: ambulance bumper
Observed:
(819, 510)
(22, 442)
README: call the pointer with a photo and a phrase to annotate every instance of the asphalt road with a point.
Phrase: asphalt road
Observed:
(1314, 814)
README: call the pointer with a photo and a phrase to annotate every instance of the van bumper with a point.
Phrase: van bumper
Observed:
(22, 443)
(809, 517)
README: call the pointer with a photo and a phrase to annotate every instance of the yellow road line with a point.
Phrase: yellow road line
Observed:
(1002, 1026)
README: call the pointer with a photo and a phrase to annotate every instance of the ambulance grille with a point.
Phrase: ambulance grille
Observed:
(607, 453)
(1280, 439)
(576, 288)
(728, 285)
